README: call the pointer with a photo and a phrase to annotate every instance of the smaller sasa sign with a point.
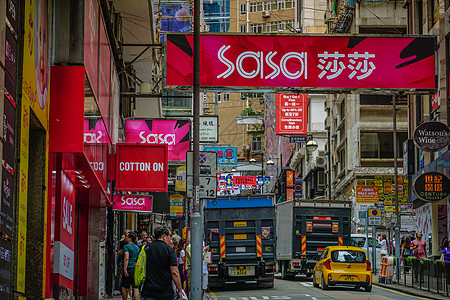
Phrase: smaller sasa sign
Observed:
(135, 203)
(432, 136)
(141, 167)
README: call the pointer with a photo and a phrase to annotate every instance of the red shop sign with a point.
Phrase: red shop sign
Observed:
(325, 63)
(291, 113)
(136, 203)
(141, 167)
(244, 180)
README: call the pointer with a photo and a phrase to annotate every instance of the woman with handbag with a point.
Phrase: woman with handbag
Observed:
(406, 252)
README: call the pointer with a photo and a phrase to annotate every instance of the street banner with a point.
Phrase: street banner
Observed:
(133, 203)
(245, 180)
(367, 194)
(174, 133)
(291, 114)
(180, 182)
(325, 63)
(141, 168)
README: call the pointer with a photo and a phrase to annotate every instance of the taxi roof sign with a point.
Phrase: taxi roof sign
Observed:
(374, 212)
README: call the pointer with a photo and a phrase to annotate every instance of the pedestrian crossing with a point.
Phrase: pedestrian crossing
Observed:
(289, 297)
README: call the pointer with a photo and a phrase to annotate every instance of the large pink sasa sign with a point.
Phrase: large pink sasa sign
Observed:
(305, 62)
(174, 133)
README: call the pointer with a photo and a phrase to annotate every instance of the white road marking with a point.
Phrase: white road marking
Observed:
(306, 284)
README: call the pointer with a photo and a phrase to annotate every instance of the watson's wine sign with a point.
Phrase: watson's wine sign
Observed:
(432, 187)
(432, 136)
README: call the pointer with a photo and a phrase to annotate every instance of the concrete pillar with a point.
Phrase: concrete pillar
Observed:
(435, 230)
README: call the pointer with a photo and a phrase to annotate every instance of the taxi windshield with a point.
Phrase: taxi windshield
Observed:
(348, 256)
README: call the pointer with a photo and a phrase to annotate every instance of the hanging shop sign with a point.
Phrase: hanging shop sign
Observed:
(209, 129)
(245, 180)
(226, 156)
(432, 136)
(133, 203)
(323, 63)
(141, 168)
(291, 114)
(432, 187)
(174, 133)
(176, 205)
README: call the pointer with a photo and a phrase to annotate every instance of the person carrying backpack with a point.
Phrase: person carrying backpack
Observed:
(131, 252)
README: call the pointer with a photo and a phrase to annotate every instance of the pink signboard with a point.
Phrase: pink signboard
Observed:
(104, 71)
(91, 12)
(174, 133)
(135, 203)
(291, 114)
(305, 62)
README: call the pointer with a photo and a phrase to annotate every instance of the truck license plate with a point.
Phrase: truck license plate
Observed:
(241, 271)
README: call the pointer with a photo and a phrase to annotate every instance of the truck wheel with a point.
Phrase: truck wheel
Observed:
(324, 286)
(315, 284)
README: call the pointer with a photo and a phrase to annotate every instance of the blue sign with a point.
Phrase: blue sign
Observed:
(266, 180)
(226, 156)
(297, 139)
(260, 180)
(298, 188)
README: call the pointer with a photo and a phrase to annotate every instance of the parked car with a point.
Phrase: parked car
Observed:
(360, 240)
(345, 266)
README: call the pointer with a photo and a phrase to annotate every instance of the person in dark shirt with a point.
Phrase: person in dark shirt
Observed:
(161, 268)
(131, 253)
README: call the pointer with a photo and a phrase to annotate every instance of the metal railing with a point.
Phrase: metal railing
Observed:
(425, 274)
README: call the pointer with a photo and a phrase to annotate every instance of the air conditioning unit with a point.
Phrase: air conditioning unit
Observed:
(246, 147)
(265, 13)
(321, 161)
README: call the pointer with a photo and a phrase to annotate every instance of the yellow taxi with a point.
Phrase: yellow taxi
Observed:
(343, 265)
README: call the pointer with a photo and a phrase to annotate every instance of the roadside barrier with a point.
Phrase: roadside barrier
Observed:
(387, 270)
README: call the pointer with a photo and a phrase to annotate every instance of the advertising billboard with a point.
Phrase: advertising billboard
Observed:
(367, 194)
(291, 113)
(174, 133)
(311, 62)
(91, 21)
(64, 249)
(175, 17)
(141, 168)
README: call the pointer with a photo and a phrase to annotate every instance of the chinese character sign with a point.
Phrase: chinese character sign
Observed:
(367, 194)
(291, 114)
(226, 156)
(432, 186)
(308, 62)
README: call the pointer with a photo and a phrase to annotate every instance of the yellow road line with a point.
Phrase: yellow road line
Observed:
(214, 295)
(412, 296)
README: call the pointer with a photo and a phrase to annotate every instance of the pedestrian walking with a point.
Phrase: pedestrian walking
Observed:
(420, 252)
(406, 252)
(205, 270)
(143, 238)
(161, 268)
(131, 252)
(446, 259)
(382, 242)
(181, 255)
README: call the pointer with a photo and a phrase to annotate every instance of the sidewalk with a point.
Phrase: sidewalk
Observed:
(408, 290)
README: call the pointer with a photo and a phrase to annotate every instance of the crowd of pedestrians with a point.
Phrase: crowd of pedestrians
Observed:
(167, 261)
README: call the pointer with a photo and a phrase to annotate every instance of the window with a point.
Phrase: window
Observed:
(253, 7)
(347, 256)
(226, 97)
(320, 180)
(243, 8)
(382, 100)
(243, 97)
(341, 159)
(256, 144)
(380, 144)
(342, 109)
(358, 241)
(218, 97)
(243, 28)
